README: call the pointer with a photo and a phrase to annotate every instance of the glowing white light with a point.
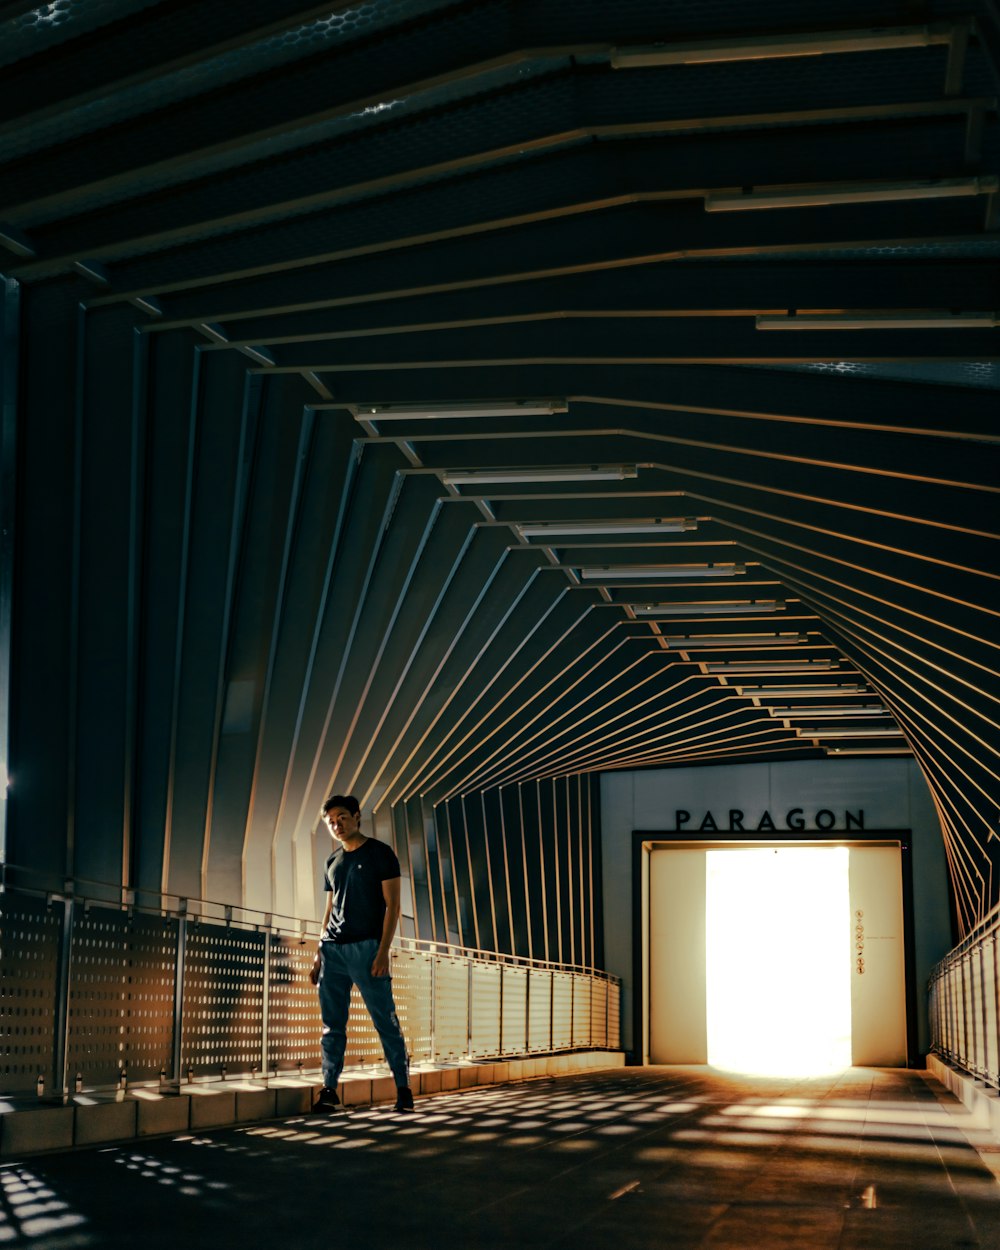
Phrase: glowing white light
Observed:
(778, 960)
(49, 14)
(382, 107)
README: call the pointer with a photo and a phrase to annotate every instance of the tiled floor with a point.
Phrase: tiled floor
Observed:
(630, 1159)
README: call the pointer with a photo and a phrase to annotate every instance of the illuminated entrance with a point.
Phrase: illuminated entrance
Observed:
(776, 958)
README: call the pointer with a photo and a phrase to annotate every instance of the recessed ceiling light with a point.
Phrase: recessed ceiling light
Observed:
(753, 668)
(731, 607)
(722, 642)
(651, 525)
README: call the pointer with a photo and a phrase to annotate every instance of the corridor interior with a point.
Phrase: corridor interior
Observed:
(677, 1158)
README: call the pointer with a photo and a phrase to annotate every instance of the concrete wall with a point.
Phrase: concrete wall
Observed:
(890, 793)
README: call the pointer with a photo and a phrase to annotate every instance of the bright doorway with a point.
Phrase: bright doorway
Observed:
(783, 958)
(777, 959)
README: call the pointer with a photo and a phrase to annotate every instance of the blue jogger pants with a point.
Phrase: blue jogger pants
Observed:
(344, 965)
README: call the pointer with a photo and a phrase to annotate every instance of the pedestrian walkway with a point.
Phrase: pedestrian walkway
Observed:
(627, 1159)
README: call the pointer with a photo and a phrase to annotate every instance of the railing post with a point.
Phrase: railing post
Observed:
(970, 1030)
(265, 1004)
(60, 1049)
(500, 1010)
(985, 1066)
(434, 1054)
(996, 999)
(182, 923)
(552, 1011)
(468, 1012)
(527, 1009)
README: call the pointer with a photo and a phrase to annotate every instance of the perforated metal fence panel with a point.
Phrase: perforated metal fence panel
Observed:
(411, 989)
(121, 997)
(29, 959)
(293, 1020)
(247, 1001)
(223, 1001)
(562, 1010)
(978, 1011)
(599, 1013)
(484, 1031)
(582, 1011)
(539, 1010)
(514, 1040)
(963, 1034)
(451, 1008)
(614, 1015)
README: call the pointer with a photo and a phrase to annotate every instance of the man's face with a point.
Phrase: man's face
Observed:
(343, 825)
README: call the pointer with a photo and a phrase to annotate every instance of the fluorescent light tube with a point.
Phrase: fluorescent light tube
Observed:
(753, 668)
(798, 692)
(772, 47)
(722, 642)
(654, 525)
(812, 195)
(429, 412)
(880, 321)
(581, 473)
(608, 572)
(836, 711)
(869, 751)
(731, 607)
(865, 731)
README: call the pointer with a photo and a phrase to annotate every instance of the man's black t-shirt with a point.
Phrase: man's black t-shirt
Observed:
(355, 878)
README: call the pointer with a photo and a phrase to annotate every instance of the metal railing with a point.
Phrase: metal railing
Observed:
(95, 994)
(964, 1003)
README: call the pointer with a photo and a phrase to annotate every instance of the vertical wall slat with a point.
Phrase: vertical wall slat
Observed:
(10, 326)
(133, 624)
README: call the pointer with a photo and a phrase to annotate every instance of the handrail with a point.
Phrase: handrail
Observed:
(199, 910)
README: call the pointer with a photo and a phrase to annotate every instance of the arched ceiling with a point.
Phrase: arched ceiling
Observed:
(647, 353)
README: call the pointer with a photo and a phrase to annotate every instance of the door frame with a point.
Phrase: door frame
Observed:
(644, 841)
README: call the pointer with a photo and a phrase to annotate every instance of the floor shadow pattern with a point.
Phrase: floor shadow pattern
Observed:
(672, 1158)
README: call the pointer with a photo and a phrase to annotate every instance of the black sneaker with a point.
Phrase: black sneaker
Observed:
(404, 1098)
(326, 1100)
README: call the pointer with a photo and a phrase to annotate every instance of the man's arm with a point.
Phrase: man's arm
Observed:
(317, 962)
(390, 892)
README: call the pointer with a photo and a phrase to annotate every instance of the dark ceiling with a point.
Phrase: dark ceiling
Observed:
(289, 272)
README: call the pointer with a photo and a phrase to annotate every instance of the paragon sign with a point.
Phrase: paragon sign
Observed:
(736, 821)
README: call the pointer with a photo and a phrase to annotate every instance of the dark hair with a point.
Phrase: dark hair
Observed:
(342, 800)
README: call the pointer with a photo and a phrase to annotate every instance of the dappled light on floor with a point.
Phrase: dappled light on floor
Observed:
(687, 1157)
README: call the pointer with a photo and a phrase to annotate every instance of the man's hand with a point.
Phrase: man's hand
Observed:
(314, 971)
(380, 964)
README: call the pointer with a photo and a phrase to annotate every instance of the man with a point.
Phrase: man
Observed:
(362, 911)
